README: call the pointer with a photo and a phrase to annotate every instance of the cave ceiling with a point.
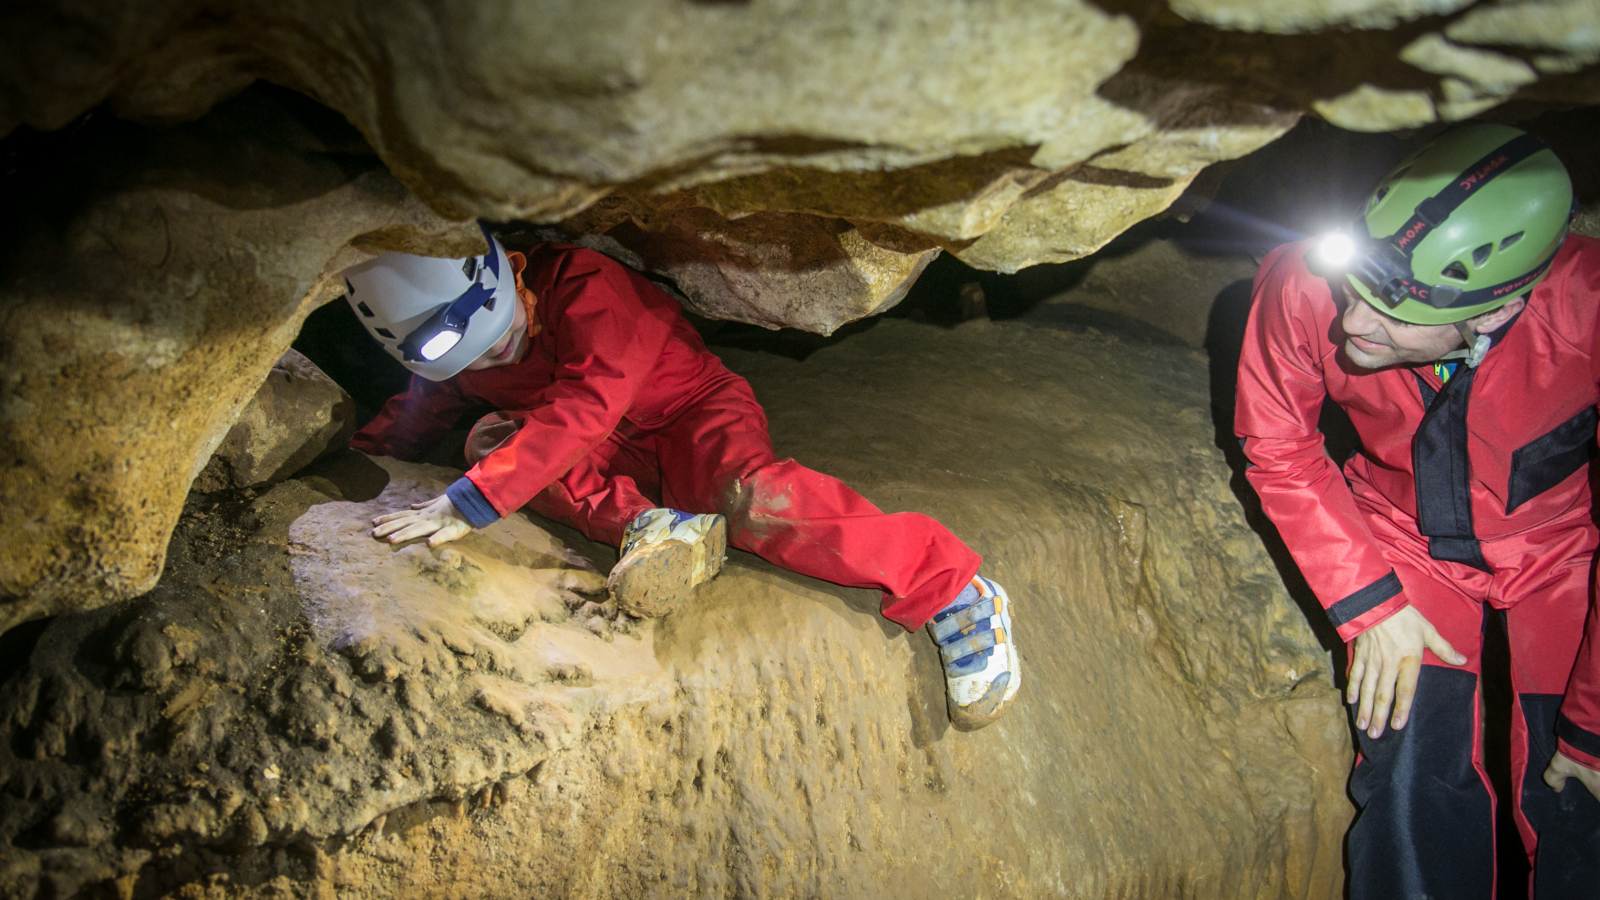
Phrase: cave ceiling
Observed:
(788, 163)
(866, 134)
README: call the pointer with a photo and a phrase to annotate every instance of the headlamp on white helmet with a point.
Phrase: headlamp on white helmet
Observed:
(435, 315)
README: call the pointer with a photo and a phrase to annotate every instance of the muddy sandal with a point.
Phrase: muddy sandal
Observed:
(665, 554)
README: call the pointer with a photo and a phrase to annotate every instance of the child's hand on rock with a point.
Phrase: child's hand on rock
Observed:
(436, 520)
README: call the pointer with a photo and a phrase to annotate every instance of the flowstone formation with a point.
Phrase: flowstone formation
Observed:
(298, 710)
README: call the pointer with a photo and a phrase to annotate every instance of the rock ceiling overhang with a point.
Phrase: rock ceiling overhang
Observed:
(789, 163)
(865, 135)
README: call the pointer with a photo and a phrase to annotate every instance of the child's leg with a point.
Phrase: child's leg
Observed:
(599, 496)
(592, 500)
(718, 457)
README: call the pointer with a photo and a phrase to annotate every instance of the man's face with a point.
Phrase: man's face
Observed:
(1376, 341)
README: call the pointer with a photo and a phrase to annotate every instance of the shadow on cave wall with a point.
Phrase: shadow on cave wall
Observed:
(264, 134)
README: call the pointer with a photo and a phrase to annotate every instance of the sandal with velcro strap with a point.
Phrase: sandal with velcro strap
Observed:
(982, 674)
(665, 554)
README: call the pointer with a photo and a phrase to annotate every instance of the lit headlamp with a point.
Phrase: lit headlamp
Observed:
(443, 330)
(1380, 267)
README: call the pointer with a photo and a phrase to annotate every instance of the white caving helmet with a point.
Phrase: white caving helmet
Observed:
(435, 315)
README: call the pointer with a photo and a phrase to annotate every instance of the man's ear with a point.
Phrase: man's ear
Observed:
(1489, 321)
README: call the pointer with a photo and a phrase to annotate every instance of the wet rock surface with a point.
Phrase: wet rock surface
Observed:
(297, 710)
(297, 415)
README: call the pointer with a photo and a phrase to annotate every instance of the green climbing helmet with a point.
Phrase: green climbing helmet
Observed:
(1457, 229)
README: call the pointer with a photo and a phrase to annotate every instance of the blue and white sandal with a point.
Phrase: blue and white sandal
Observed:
(665, 554)
(981, 670)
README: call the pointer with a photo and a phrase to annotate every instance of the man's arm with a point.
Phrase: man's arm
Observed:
(412, 420)
(1578, 725)
(1280, 395)
(1303, 491)
(608, 339)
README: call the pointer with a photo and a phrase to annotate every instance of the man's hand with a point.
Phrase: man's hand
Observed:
(436, 520)
(1388, 659)
(1563, 767)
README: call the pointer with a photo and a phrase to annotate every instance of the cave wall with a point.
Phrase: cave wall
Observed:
(151, 279)
(793, 165)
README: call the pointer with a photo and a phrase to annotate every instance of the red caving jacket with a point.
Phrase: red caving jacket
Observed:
(613, 349)
(1505, 474)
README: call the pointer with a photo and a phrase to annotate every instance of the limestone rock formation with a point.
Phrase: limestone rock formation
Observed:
(1264, 15)
(299, 710)
(771, 269)
(297, 415)
(1030, 132)
(149, 280)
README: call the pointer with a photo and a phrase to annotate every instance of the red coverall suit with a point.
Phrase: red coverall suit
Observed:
(1465, 493)
(624, 409)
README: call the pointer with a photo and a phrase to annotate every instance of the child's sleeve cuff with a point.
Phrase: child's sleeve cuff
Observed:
(471, 504)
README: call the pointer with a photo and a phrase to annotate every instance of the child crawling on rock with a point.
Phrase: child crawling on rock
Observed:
(616, 420)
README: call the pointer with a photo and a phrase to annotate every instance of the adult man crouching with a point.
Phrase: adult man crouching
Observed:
(1456, 323)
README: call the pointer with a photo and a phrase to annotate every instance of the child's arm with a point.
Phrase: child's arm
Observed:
(412, 420)
(407, 423)
(608, 337)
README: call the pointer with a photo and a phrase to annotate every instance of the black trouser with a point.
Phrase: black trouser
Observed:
(1425, 828)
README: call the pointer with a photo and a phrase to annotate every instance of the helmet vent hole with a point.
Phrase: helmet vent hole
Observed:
(1481, 255)
(1511, 240)
(1455, 271)
(1382, 193)
(365, 309)
(489, 303)
(385, 332)
(469, 268)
